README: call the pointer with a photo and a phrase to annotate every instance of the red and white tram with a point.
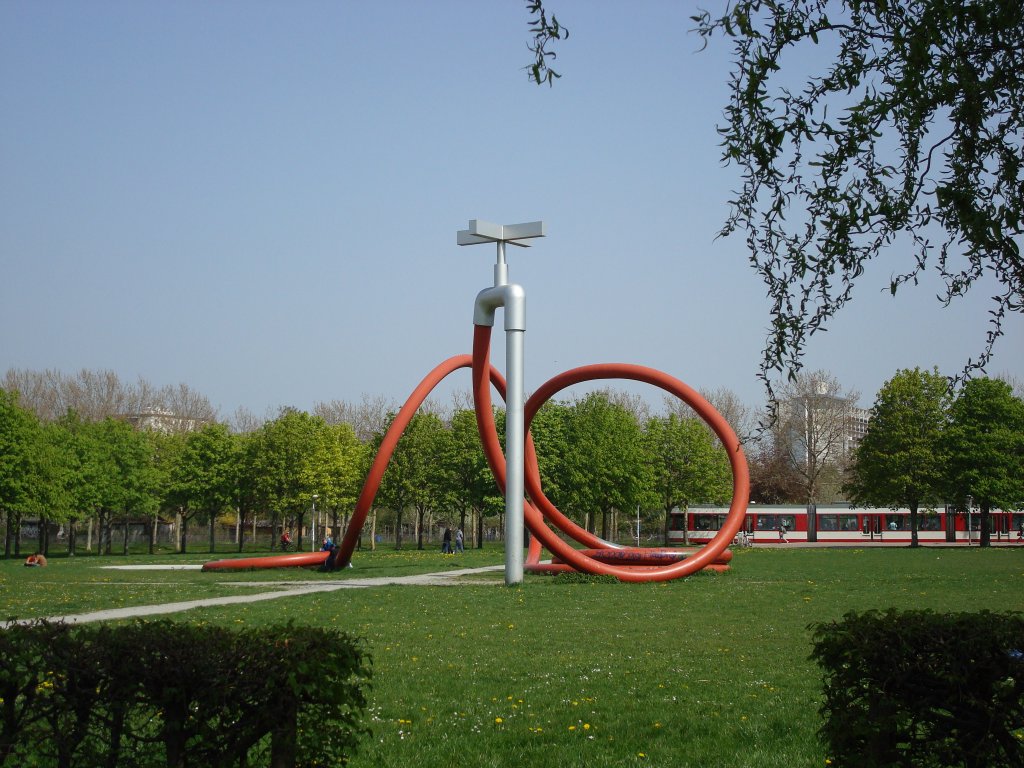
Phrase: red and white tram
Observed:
(841, 524)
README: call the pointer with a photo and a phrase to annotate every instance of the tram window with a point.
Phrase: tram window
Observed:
(837, 522)
(828, 522)
(929, 523)
(895, 522)
(772, 522)
(976, 523)
(708, 522)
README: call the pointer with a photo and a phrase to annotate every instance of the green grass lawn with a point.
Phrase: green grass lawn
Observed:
(72, 585)
(707, 671)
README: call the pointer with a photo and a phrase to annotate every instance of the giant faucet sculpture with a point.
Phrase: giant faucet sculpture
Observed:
(515, 471)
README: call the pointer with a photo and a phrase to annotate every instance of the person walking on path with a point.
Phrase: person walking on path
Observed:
(446, 542)
(782, 534)
(459, 540)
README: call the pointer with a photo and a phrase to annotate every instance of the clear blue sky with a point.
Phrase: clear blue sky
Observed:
(260, 200)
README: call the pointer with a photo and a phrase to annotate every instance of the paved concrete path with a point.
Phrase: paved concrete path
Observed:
(287, 589)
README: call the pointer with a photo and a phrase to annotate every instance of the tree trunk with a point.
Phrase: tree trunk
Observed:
(373, 531)
(116, 719)
(913, 525)
(420, 516)
(8, 535)
(103, 532)
(398, 528)
(127, 525)
(72, 537)
(273, 532)
(284, 740)
(153, 531)
(985, 524)
(174, 740)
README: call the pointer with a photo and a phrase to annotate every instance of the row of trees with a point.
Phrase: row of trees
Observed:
(598, 456)
(602, 456)
(923, 447)
(73, 470)
(919, 445)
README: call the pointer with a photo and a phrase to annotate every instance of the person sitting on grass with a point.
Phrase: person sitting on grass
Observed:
(38, 560)
(332, 555)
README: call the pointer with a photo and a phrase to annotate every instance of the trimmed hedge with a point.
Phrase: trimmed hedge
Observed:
(175, 694)
(916, 688)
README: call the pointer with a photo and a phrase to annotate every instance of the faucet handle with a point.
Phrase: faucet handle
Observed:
(485, 232)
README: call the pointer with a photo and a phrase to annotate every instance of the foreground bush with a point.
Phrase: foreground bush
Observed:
(168, 694)
(917, 688)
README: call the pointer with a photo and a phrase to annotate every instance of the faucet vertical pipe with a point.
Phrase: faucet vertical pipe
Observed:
(515, 448)
(512, 299)
(501, 267)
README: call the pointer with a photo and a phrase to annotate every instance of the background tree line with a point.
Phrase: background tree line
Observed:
(604, 458)
(924, 447)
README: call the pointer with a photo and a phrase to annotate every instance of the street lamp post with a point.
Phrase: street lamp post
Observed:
(970, 506)
(312, 547)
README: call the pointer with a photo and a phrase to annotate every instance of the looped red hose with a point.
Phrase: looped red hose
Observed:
(538, 508)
